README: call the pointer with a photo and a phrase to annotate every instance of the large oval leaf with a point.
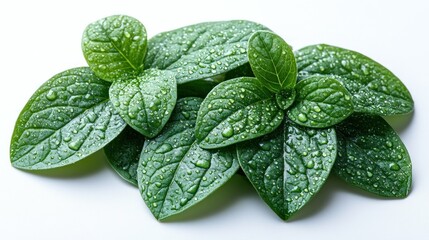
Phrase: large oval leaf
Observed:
(123, 154)
(371, 156)
(115, 46)
(174, 173)
(237, 110)
(374, 88)
(320, 102)
(146, 102)
(288, 166)
(68, 118)
(272, 61)
(202, 50)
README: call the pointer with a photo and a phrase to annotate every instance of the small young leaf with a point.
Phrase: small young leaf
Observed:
(115, 47)
(174, 173)
(68, 118)
(146, 102)
(236, 110)
(288, 166)
(320, 102)
(374, 88)
(123, 154)
(372, 157)
(285, 99)
(202, 50)
(272, 61)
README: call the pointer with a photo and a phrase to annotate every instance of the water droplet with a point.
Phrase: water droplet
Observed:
(183, 201)
(265, 146)
(135, 38)
(132, 115)
(186, 115)
(347, 97)
(193, 189)
(154, 204)
(158, 184)
(310, 164)
(127, 34)
(389, 144)
(75, 145)
(51, 95)
(302, 117)
(296, 189)
(369, 174)
(394, 167)
(92, 116)
(316, 108)
(202, 163)
(166, 147)
(228, 132)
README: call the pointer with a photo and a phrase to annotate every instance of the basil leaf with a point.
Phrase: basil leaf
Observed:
(285, 99)
(236, 110)
(372, 156)
(288, 166)
(174, 173)
(115, 46)
(202, 50)
(123, 154)
(320, 102)
(374, 88)
(68, 118)
(146, 101)
(272, 61)
(199, 88)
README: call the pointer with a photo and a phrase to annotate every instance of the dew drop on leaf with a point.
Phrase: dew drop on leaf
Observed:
(51, 95)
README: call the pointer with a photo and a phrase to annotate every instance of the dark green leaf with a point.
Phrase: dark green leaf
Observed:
(374, 88)
(285, 98)
(237, 110)
(202, 50)
(199, 88)
(146, 101)
(288, 166)
(68, 118)
(320, 102)
(371, 156)
(123, 154)
(174, 173)
(272, 61)
(115, 46)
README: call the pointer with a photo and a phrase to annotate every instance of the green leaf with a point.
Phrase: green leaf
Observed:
(372, 157)
(236, 110)
(146, 102)
(288, 166)
(374, 88)
(68, 118)
(123, 154)
(202, 50)
(285, 99)
(320, 102)
(115, 47)
(272, 61)
(174, 173)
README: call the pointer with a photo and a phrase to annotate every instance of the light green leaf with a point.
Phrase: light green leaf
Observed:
(174, 173)
(272, 61)
(288, 166)
(320, 102)
(68, 118)
(115, 47)
(202, 50)
(374, 88)
(146, 101)
(123, 154)
(372, 157)
(236, 110)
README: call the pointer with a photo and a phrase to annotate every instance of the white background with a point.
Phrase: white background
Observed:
(88, 201)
